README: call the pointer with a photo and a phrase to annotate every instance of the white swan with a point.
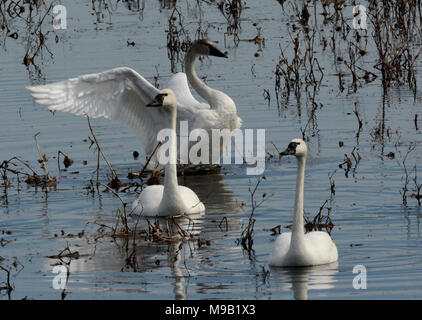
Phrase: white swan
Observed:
(170, 199)
(122, 94)
(293, 249)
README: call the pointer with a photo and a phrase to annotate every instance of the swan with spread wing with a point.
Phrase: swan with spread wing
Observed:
(122, 94)
(169, 199)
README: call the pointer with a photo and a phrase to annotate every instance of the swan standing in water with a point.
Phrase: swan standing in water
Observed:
(170, 199)
(294, 249)
(122, 94)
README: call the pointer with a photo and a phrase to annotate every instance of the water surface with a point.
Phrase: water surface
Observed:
(372, 225)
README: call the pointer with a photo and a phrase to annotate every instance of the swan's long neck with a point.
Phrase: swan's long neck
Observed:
(172, 201)
(170, 173)
(203, 90)
(298, 232)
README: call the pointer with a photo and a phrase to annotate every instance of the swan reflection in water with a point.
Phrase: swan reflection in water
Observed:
(101, 259)
(302, 279)
(180, 234)
(80, 267)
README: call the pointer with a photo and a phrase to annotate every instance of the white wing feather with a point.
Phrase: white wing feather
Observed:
(117, 94)
(122, 94)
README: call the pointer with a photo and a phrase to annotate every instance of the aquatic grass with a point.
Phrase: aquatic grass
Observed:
(246, 236)
(7, 285)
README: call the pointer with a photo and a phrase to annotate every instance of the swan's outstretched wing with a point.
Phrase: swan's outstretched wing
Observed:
(117, 94)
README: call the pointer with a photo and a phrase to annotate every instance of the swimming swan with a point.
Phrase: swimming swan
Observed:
(169, 199)
(122, 94)
(294, 249)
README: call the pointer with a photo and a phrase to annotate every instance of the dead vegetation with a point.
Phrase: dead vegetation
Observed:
(232, 10)
(169, 230)
(397, 28)
(351, 162)
(158, 231)
(23, 172)
(401, 160)
(298, 74)
(25, 21)
(6, 286)
(246, 237)
(320, 221)
(178, 39)
(392, 39)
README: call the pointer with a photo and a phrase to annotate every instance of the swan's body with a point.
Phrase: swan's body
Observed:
(122, 94)
(317, 248)
(169, 199)
(149, 202)
(296, 248)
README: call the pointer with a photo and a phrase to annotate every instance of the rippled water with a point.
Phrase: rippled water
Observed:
(372, 227)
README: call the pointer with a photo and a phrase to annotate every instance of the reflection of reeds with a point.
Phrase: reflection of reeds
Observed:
(402, 163)
(418, 187)
(231, 10)
(246, 237)
(302, 72)
(397, 27)
(396, 30)
(7, 285)
(392, 37)
(178, 39)
(26, 20)
(168, 4)
(347, 165)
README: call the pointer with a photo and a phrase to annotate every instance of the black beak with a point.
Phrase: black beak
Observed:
(287, 152)
(217, 53)
(291, 149)
(158, 101)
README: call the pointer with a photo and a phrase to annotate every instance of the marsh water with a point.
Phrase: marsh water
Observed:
(360, 169)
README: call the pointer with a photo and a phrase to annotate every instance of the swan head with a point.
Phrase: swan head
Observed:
(205, 47)
(166, 99)
(297, 147)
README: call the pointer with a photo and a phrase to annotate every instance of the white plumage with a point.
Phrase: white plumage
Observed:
(318, 248)
(294, 249)
(169, 199)
(122, 94)
(148, 202)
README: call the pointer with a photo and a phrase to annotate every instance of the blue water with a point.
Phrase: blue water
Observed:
(372, 226)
